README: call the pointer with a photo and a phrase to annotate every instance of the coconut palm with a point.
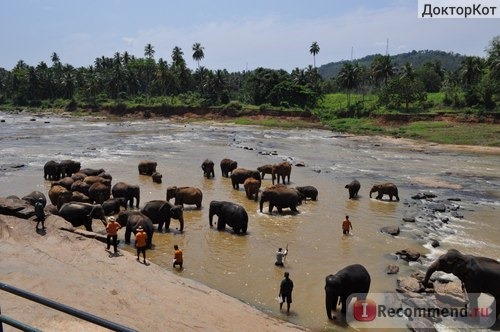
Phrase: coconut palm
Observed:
(149, 51)
(471, 70)
(314, 49)
(198, 53)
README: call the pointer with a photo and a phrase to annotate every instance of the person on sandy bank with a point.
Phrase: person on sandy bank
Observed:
(140, 243)
(112, 228)
(280, 256)
(178, 257)
(286, 288)
(346, 226)
(40, 213)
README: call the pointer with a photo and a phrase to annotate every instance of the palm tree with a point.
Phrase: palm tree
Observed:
(198, 53)
(348, 79)
(149, 51)
(382, 68)
(314, 49)
(471, 70)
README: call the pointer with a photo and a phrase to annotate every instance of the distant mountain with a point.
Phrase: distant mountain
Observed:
(449, 61)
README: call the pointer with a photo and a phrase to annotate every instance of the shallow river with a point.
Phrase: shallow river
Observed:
(243, 266)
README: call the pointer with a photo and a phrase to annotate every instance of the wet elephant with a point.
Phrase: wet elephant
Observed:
(131, 220)
(52, 170)
(227, 166)
(59, 195)
(229, 214)
(185, 195)
(353, 188)
(113, 205)
(308, 192)
(156, 176)
(80, 186)
(92, 171)
(280, 197)
(99, 192)
(239, 175)
(81, 214)
(66, 182)
(97, 178)
(77, 196)
(147, 167)
(252, 188)
(478, 274)
(34, 197)
(281, 170)
(208, 168)
(161, 212)
(388, 188)
(127, 191)
(265, 169)
(69, 167)
(338, 287)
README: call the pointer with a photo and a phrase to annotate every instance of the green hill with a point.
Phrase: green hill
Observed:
(449, 61)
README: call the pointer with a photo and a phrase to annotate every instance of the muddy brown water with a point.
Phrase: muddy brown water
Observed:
(243, 266)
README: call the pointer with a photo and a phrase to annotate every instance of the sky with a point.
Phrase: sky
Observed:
(236, 35)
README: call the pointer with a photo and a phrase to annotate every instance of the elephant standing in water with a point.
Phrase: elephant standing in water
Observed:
(239, 175)
(69, 167)
(147, 167)
(99, 192)
(478, 274)
(131, 220)
(388, 188)
(81, 214)
(353, 188)
(52, 170)
(265, 169)
(208, 168)
(227, 166)
(127, 191)
(281, 197)
(230, 214)
(160, 212)
(185, 195)
(338, 287)
(282, 170)
(59, 195)
(252, 188)
(308, 192)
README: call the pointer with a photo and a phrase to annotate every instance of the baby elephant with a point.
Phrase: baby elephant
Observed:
(308, 192)
(353, 188)
(388, 189)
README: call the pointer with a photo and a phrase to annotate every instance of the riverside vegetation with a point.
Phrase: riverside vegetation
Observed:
(427, 97)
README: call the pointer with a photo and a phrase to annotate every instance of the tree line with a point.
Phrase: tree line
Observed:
(127, 77)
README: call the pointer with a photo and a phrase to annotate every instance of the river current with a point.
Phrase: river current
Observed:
(243, 266)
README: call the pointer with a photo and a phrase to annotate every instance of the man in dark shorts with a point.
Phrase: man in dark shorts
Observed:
(286, 288)
(40, 213)
(346, 226)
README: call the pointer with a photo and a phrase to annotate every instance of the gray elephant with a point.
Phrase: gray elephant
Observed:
(185, 195)
(281, 197)
(160, 212)
(147, 167)
(230, 214)
(265, 169)
(338, 287)
(81, 214)
(308, 192)
(99, 192)
(156, 176)
(131, 220)
(69, 167)
(227, 166)
(478, 274)
(208, 168)
(113, 205)
(252, 188)
(239, 175)
(388, 188)
(127, 191)
(281, 170)
(77, 196)
(59, 195)
(81, 186)
(52, 170)
(353, 188)
(66, 182)
(91, 179)
(92, 171)
(34, 197)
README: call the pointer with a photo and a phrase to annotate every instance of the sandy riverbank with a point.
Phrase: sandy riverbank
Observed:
(79, 272)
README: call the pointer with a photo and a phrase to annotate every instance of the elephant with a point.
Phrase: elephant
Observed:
(160, 212)
(99, 192)
(477, 274)
(353, 188)
(81, 214)
(77, 196)
(281, 197)
(66, 182)
(265, 169)
(113, 205)
(91, 179)
(78, 176)
(127, 191)
(230, 214)
(227, 166)
(282, 170)
(91, 171)
(156, 176)
(239, 175)
(252, 187)
(338, 287)
(52, 170)
(385, 189)
(185, 195)
(131, 220)
(34, 197)
(81, 186)
(147, 167)
(208, 168)
(308, 192)
(59, 195)
(69, 167)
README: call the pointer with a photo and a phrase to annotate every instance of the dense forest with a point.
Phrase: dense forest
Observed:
(399, 82)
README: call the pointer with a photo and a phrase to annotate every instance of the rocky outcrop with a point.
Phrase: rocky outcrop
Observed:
(392, 230)
(408, 255)
(16, 207)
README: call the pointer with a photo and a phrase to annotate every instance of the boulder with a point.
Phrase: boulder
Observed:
(408, 284)
(409, 218)
(392, 269)
(408, 255)
(16, 207)
(392, 230)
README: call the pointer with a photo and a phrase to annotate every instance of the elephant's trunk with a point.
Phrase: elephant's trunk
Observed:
(261, 204)
(181, 223)
(210, 217)
(372, 191)
(433, 268)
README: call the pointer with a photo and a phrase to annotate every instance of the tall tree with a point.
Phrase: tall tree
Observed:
(198, 53)
(314, 49)
(348, 79)
(382, 68)
(471, 70)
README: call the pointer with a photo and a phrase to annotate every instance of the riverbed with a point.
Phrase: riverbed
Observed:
(243, 266)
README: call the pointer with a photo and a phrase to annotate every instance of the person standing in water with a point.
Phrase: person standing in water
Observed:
(346, 226)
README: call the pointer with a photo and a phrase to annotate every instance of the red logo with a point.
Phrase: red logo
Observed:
(365, 310)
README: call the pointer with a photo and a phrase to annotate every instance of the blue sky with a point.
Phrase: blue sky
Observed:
(236, 35)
